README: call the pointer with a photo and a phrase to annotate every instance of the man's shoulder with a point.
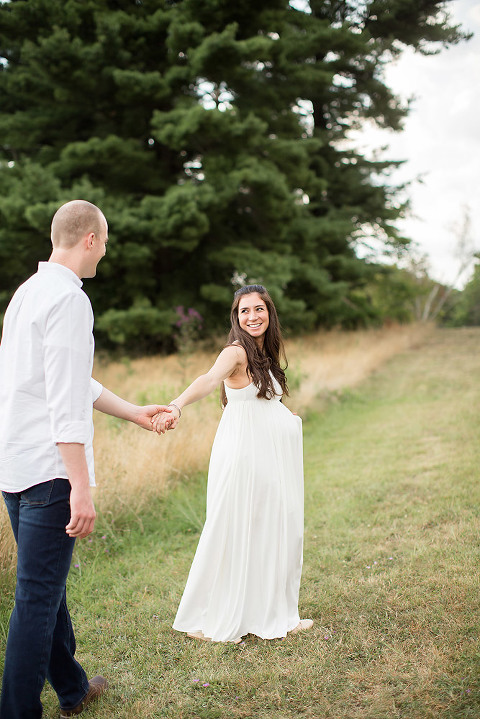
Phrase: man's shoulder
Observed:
(40, 295)
(58, 286)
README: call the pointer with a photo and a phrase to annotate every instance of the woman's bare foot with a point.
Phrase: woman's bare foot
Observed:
(201, 635)
(198, 635)
(302, 626)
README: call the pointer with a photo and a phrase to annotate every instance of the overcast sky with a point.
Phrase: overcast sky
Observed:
(441, 142)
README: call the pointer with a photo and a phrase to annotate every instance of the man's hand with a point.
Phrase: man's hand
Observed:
(82, 510)
(82, 513)
(145, 415)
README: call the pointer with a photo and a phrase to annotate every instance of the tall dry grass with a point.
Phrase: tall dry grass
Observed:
(132, 464)
(331, 361)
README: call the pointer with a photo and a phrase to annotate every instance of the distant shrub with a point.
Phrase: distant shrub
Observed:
(189, 325)
(137, 330)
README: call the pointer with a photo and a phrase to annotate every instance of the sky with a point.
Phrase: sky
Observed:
(440, 143)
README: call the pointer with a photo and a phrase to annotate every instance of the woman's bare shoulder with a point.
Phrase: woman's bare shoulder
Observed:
(237, 350)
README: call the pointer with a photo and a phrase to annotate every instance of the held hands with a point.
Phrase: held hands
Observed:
(146, 415)
(157, 417)
(163, 421)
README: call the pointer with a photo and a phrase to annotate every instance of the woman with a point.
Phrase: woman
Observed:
(245, 576)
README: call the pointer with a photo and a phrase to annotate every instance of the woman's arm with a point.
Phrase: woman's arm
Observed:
(227, 362)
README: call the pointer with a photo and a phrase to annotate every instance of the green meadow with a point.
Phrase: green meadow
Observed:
(391, 567)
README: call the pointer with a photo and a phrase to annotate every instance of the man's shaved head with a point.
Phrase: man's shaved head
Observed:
(73, 221)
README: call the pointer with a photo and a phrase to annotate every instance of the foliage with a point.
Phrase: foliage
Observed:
(189, 326)
(467, 309)
(212, 136)
(140, 328)
(405, 294)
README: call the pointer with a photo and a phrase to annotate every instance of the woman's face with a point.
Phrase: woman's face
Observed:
(253, 315)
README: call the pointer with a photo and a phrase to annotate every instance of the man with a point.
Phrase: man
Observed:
(46, 458)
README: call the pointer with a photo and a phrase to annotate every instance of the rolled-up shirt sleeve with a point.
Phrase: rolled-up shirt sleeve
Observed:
(96, 389)
(67, 350)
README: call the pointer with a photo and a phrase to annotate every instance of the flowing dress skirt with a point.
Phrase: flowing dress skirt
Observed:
(245, 576)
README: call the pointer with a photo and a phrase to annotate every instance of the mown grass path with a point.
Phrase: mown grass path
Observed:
(391, 572)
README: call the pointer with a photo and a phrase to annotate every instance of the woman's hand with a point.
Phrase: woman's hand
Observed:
(144, 415)
(163, 421)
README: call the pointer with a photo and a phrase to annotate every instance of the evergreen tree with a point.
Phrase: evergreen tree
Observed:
(212, 135)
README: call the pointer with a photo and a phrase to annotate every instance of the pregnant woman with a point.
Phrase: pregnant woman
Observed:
(245, 576)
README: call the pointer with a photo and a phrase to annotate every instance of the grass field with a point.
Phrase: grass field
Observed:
(133, 466)
(391, 569)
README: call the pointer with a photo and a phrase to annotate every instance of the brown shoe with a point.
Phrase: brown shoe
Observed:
(96, 687)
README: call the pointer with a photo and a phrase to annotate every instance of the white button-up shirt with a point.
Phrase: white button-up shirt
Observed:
(46, 388)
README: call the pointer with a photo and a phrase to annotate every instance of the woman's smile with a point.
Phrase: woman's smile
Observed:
(253, 315)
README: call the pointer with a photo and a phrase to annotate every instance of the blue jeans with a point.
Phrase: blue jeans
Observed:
(40, 640)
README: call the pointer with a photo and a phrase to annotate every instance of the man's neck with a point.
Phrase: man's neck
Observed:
(66, 258)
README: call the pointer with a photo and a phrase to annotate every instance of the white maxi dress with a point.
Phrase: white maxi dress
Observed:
(245, 576)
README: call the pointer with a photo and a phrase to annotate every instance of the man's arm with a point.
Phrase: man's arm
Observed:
(110, 403)
(82, 510)
(82, 518)
(67, 367)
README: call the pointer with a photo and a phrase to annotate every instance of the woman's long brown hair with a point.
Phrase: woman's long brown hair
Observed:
(259, 363)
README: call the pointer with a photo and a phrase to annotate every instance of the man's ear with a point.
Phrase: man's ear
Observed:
(90, 240)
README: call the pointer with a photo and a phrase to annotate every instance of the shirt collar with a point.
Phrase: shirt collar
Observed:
(55, 267)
